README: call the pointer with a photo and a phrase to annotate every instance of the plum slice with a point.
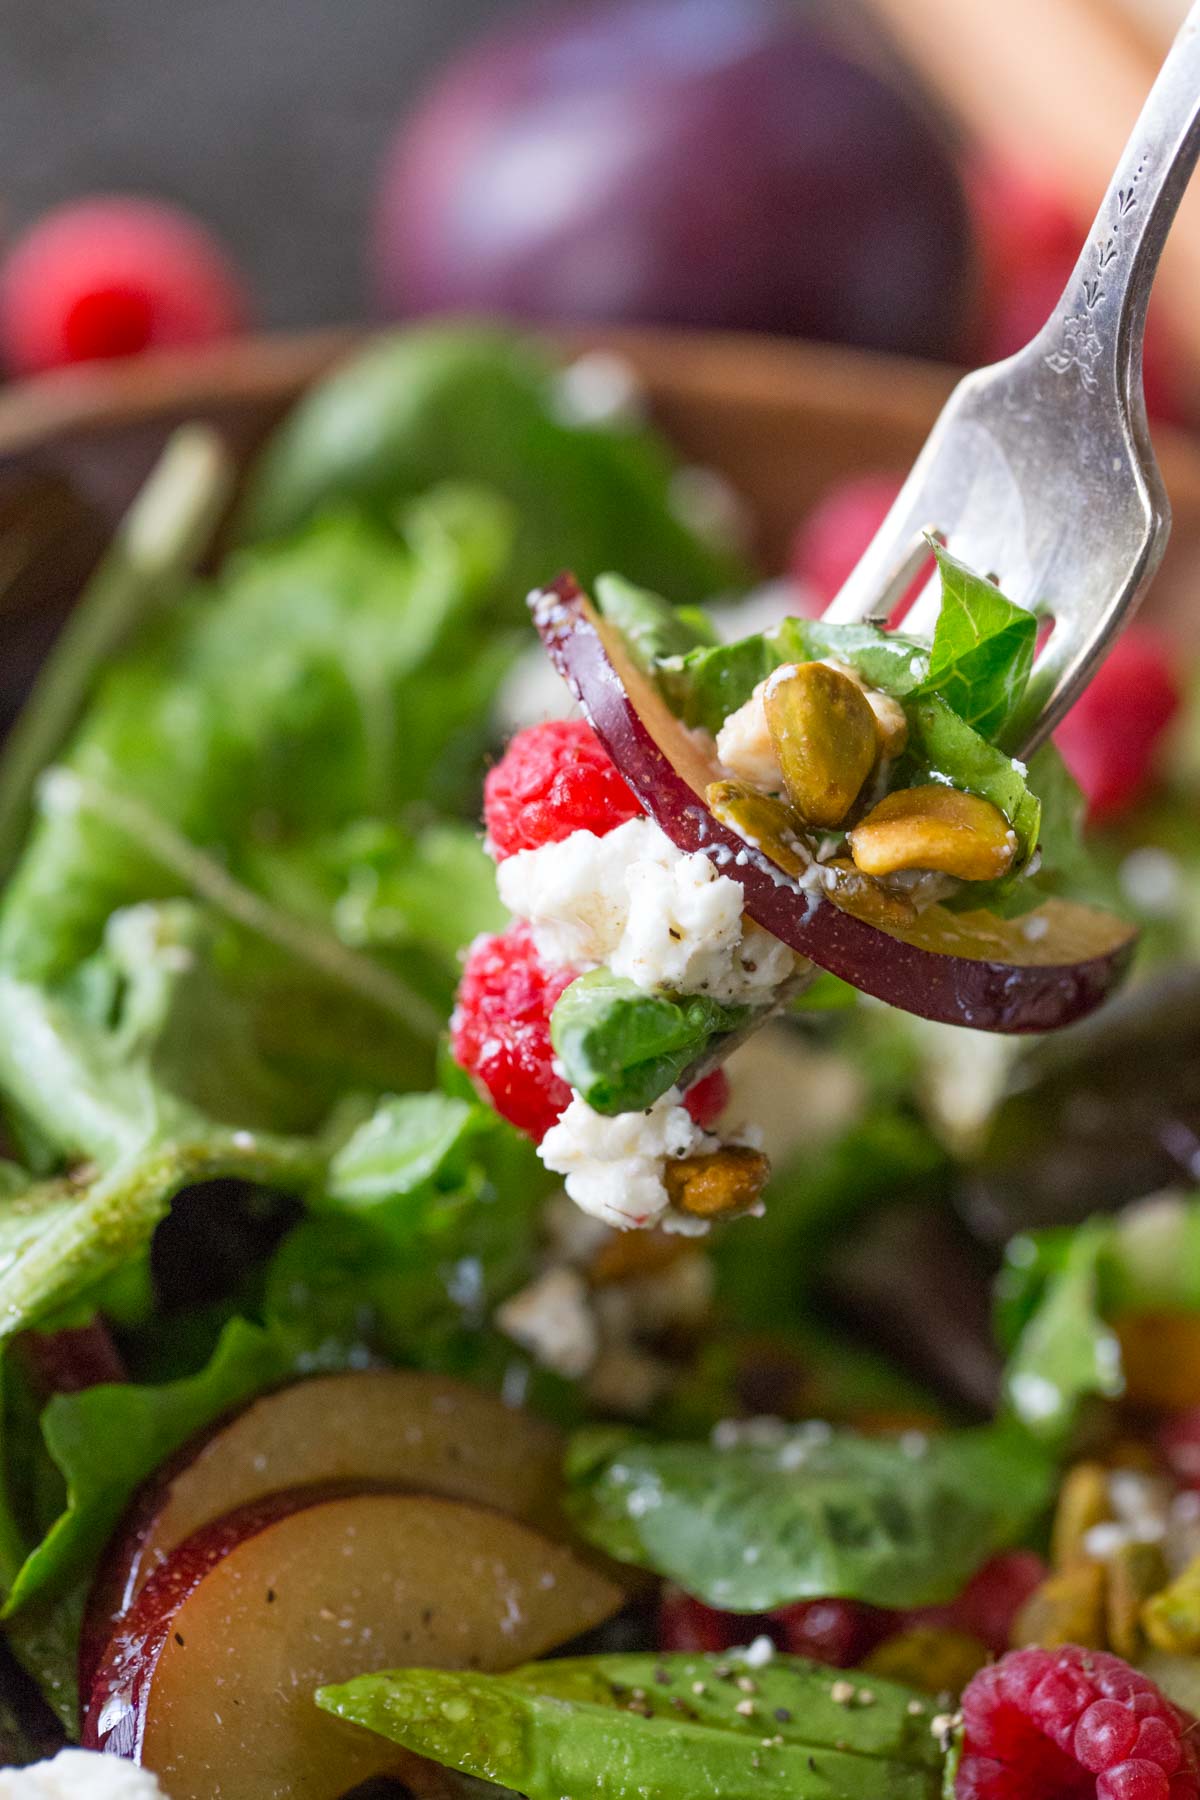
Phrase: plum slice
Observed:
(209, 1680)
(1035, 973)
(393, 1428)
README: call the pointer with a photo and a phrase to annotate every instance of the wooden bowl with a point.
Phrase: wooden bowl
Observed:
(780, 419)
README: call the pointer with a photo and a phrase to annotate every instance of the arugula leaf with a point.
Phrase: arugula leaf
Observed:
(473, 403)
(982, 651)
(107, 1440)
(621, 1047)
(571, 1727)
(821, 1512)
(1066, 1351)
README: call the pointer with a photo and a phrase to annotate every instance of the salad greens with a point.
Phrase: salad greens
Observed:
(621, 1047)
(625, 1726)
(766, 1514)
(1061, 1289)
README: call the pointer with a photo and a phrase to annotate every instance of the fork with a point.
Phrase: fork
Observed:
(1039, 472)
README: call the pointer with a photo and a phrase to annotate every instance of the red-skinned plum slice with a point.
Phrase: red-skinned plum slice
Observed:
(402, 1429)
(209, 1680)
(1035, 973)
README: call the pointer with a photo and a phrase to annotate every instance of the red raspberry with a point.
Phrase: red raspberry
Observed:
(552, 780)
(707, 1100)
(838, 1632)
(1110, 737)
(991, 1600)
(1179, 1445)
(1073, 1724)
(500, 1029)
(689, 1626)
(110, 276)
(838, 530)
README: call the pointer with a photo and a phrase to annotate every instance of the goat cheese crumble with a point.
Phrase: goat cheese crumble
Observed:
(613, 1167)
(80, 1775)
(656, 915)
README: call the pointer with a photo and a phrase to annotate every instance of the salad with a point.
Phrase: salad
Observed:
(641, 1294)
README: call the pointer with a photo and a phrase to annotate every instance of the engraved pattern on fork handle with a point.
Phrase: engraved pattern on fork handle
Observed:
(1096, 330)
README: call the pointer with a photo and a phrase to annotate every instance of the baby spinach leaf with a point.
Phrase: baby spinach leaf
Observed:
(472, 403)
(621, 1727)
(407, 1143)
(791, 1513)
(982, 650)
(621, 1047)
(1066, 1351)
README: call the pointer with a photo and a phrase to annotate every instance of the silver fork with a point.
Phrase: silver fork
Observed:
(1039, 471)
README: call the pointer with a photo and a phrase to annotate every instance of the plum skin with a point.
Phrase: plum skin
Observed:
(716, 163)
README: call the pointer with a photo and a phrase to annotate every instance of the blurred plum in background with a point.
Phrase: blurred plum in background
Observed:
(721, 163)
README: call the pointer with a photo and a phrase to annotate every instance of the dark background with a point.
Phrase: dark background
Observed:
(266, 117)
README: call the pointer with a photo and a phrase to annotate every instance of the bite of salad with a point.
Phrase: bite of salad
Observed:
(359, 992)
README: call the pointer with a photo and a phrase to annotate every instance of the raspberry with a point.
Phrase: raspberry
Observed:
(707, 1100)
(500, 1029)
(1073, 1724)
(838, 530)
(552, 780)
(689, 1626)
(110, 276)
(1110, 738)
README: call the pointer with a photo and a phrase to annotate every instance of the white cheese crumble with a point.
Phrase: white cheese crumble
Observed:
(80, 1775)
(659, 916)
(613, 1167)
(552, 1318)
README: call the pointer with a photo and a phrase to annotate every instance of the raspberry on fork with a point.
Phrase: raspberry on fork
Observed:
(500, 1028)
(552, 780)
(1072, 1724)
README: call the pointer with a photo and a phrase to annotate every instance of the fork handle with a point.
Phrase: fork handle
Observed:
(1097, 328)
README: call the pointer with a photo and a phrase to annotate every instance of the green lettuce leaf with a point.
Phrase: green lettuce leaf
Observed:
(622, 1727)
(471, 403)
(1066, 1352)
(107, 1440)
(793, 1513)
(621, 1047)
(651, 627)
(982, 651)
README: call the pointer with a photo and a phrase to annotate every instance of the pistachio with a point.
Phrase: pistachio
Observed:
(1068, 1608)
(856, 893)
(723, 1181)
(626, 1255)
(767, 824)
(825, 738)
(1135, 1571)
(1083, 1501)
(891, 721)
(1171, 1619)
(934, 827)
